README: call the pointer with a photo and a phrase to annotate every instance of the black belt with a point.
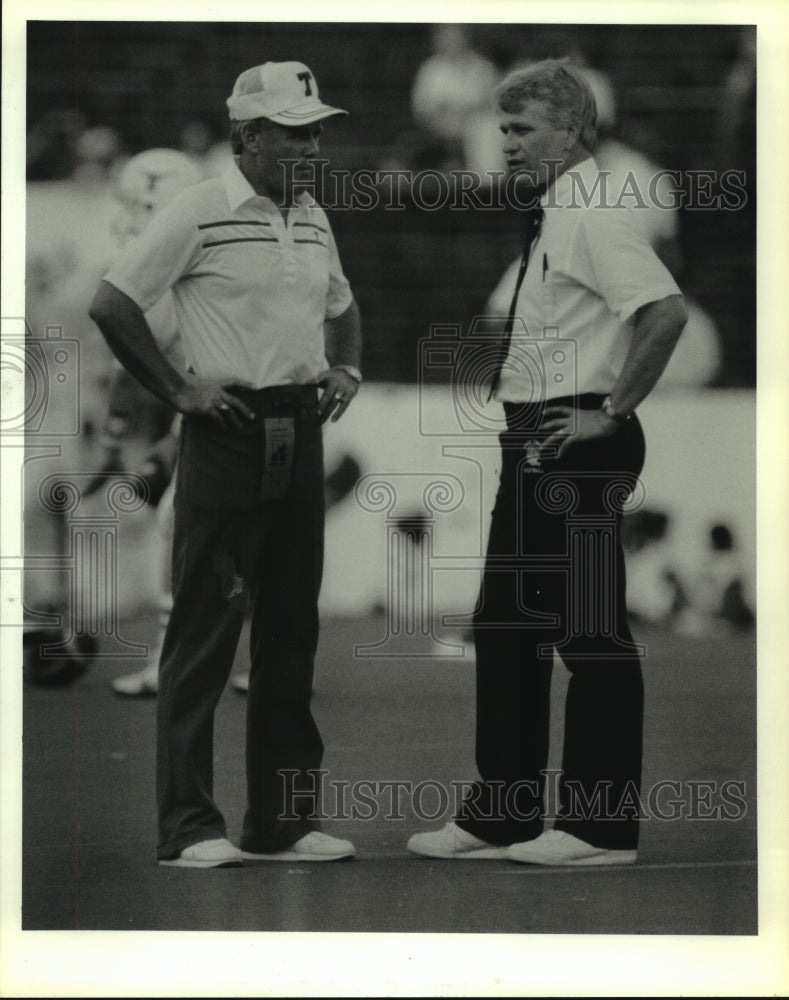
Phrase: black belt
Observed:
(277, 399)
(527, 417)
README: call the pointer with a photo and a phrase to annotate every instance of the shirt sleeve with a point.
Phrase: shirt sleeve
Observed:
(163, 322)
(339, 295)
(611, 255)
(158, 257)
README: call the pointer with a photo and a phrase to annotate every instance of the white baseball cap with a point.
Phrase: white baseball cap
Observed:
(285, 92)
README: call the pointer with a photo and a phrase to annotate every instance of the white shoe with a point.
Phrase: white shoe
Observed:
(453, 842)
(206, 854)
(313, 846)
(142, 684)
(556, 847)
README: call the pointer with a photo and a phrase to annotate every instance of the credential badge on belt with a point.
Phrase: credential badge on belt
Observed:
(280, 441)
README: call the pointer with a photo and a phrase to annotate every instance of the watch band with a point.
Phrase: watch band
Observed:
(608, 408)
(355, 374)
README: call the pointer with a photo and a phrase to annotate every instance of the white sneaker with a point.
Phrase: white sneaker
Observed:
(453, 842)
(142, 684)
(313, 846)
(556, 847)
(206, 854)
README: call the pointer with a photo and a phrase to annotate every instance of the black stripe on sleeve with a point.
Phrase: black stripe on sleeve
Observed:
(312, 225)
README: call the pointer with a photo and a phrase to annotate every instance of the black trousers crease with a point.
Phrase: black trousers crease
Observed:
(554, 582)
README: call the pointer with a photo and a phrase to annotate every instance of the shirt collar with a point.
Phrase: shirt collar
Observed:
(239, 190)
(237, 187)
(564, 191)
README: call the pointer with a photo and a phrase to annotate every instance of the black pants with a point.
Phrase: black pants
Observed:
(555, 580)
(237, 554)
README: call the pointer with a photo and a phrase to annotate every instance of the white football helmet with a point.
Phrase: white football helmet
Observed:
(146, 184)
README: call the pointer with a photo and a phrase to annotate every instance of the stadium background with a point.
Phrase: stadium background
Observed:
(684, 99)
(146, 82)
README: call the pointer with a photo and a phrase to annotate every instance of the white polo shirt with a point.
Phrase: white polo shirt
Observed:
(251, 293)
(591, 268)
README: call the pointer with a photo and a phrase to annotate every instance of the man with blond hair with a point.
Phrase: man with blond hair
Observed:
(594, 319)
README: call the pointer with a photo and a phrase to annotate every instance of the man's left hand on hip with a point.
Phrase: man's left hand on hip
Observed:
(568, 426)
(339, 388)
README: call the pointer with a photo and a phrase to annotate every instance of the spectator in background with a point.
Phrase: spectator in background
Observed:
(449, 101)
(654, 593)
(732, 246)
(51, 150)
(736, 117)
(71, 216)
(140, 431)
(65, 211)
(99, 158)
(197, 140)
(628, 167)
(696, 360)
(69, 245)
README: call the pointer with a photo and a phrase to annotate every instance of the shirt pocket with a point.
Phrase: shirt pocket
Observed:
(546, 295)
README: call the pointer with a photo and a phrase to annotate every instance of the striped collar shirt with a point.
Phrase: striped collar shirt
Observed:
(251, 291)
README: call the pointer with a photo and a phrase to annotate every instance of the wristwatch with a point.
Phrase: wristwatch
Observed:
(608, 409)
(355, 374)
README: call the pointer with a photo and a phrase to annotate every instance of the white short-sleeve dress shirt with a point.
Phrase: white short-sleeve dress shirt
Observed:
(591, 268)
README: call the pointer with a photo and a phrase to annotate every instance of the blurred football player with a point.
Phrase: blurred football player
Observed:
(140, 433)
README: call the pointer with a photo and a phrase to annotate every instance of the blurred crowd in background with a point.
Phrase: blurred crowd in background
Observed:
(680, 98)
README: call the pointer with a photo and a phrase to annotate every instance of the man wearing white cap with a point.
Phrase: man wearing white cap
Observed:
(272, 340)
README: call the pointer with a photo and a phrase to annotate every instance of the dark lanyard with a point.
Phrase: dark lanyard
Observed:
(531, 222)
